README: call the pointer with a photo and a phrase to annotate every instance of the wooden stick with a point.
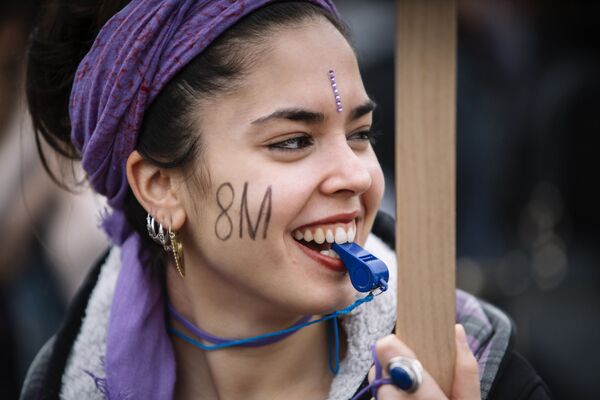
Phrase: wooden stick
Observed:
(425, 181)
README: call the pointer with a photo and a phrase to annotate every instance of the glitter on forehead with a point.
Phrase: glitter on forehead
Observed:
(336, 92)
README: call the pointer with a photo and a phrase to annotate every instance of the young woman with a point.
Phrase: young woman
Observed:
(236, 134)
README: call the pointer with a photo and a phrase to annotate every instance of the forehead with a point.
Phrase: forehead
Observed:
(293, 70)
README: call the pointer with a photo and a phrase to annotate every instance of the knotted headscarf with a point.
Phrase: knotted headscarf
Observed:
(135, 54)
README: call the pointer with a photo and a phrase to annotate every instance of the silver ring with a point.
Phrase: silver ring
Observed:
(406, 373)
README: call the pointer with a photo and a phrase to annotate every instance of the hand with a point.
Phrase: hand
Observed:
(466, 371)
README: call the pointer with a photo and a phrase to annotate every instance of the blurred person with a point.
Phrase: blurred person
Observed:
(13, 33)
(232, 141)
(40, 265)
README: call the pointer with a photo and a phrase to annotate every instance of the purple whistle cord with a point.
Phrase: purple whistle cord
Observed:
(249, 342)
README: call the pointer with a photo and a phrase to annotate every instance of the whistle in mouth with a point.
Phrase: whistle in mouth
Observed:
(366, 271)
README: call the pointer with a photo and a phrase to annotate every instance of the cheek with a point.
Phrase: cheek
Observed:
(247, 206)
(241, 218)
(375, 193)
(234, 228)
(373, 196)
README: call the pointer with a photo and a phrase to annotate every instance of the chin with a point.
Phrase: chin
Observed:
(325, 299)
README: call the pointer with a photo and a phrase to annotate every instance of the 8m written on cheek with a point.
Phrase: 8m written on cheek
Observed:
(225, 197)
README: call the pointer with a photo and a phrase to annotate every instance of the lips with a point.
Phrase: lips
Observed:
(315, 239)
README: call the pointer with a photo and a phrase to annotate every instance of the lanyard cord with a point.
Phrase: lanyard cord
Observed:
(375, 383)
(218, 340)
(267, 338)
(333, 359)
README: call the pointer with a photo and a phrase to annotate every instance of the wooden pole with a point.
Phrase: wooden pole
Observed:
(425, 181)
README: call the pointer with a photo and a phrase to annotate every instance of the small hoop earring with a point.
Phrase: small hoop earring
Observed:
(169, 242)
(158, 236)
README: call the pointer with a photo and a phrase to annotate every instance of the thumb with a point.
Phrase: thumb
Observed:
(466, 372)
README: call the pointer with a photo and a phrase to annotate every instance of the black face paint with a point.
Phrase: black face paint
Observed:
(265, 209)
(225, 197)
(224, 224)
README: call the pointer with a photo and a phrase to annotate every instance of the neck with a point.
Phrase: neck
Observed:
(256, 373)
(270, 371)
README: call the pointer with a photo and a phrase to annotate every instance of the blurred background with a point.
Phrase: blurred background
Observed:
(528, 223)
(49, 236)
(528, 134)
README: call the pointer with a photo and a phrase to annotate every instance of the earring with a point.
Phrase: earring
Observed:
(159, 237)
(169, 243)
(177, 249)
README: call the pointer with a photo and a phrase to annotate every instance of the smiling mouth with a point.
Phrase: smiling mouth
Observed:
(320, 239)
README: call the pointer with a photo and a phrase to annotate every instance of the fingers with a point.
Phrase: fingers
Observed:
(466, 373)
(466, 370)
(390, 347)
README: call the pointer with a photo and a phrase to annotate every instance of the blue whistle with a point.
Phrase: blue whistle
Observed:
(366, 271)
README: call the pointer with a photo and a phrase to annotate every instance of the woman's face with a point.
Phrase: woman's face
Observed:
(284, 163)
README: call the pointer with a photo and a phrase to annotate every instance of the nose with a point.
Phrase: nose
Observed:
(347, 171)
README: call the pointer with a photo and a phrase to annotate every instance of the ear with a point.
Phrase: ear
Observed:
(155, 189)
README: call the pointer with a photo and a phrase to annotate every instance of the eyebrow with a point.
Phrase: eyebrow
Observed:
(363, 109)
(313, 117)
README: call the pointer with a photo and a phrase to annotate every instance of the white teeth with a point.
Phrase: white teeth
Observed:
(319, 236)
(308, 235)
(351, 234)
(329, 253)
(340, 235)
(329, 236)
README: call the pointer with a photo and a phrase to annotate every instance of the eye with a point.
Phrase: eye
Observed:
(295, 143)
(364, 135)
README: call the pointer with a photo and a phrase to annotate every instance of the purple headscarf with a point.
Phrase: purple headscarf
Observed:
(135, 54)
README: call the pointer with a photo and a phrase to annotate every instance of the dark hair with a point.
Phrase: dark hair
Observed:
(169, 133)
